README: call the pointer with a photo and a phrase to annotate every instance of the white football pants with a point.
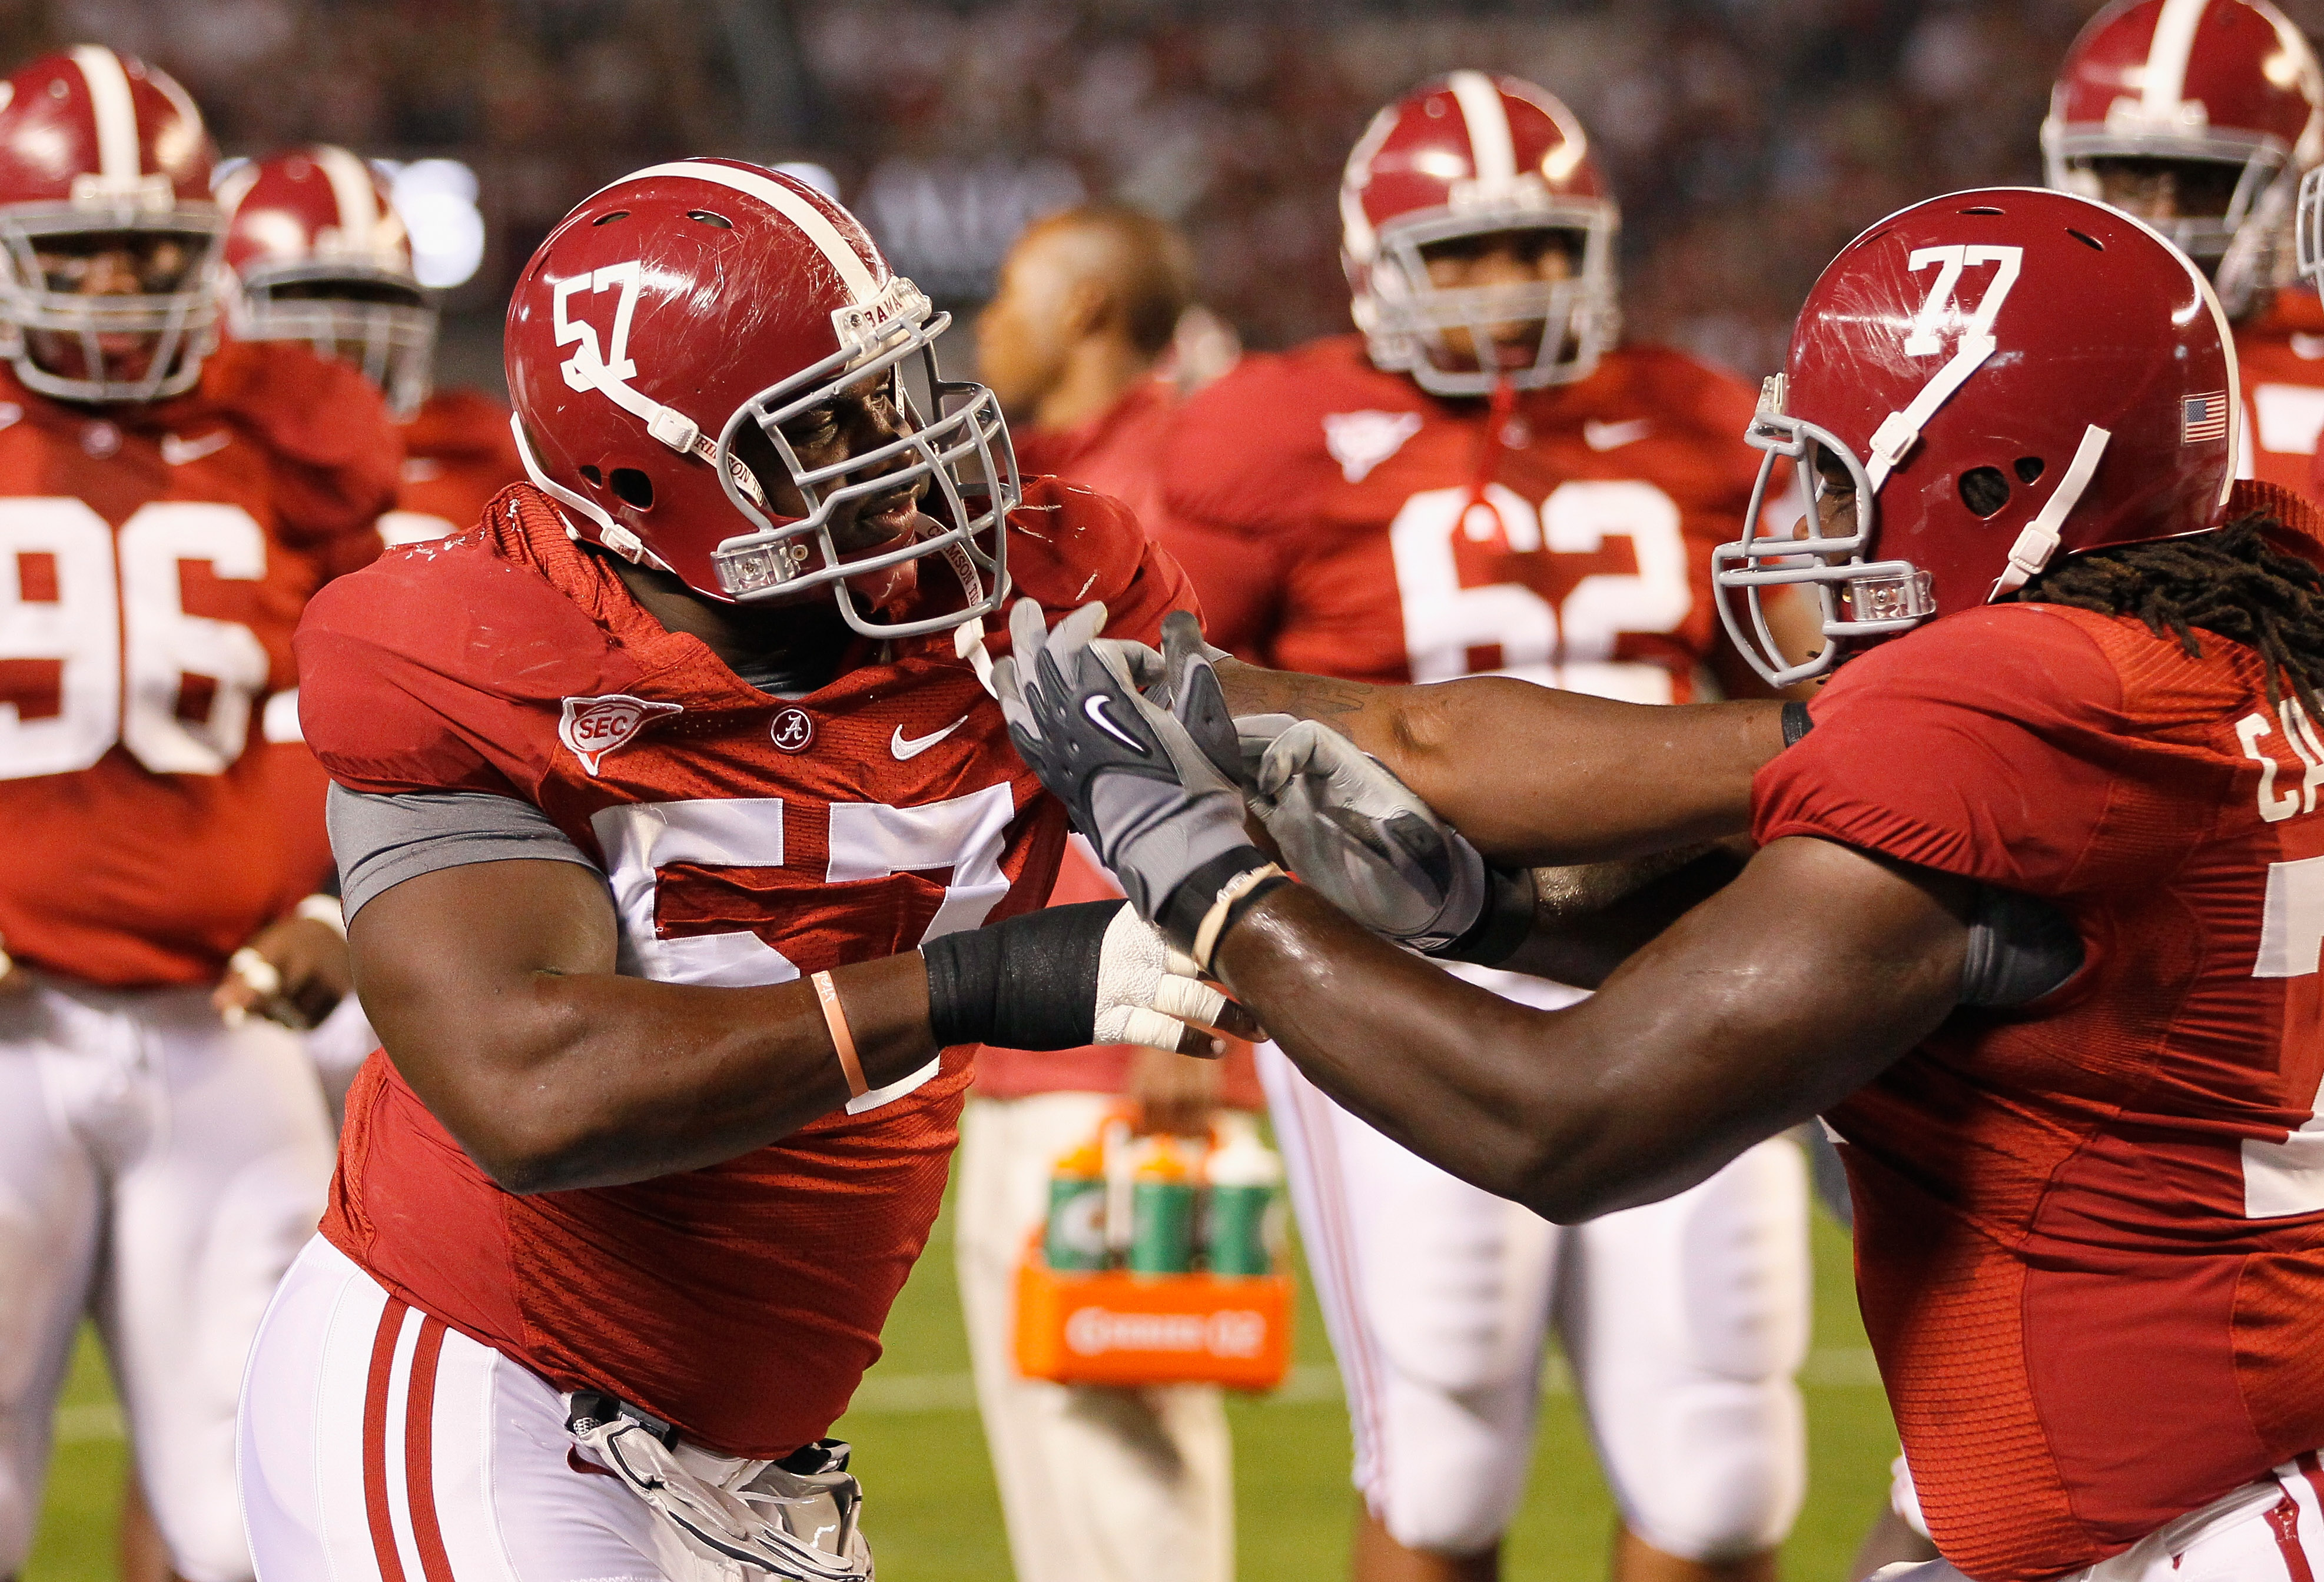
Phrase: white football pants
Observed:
(1098, 1484)
(378, 1444)
(2271, 1530)
(1684, 1322)
(160, 1171)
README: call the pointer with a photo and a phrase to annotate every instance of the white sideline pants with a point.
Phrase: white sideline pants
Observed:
(1684, 1322)
(378, 1444)
(1098, 1484)
(158, 1170)
(2271, 1530)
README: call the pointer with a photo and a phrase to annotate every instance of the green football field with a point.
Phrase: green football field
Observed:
(932, 1516)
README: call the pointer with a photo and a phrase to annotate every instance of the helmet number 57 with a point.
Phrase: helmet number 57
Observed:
(586, 369)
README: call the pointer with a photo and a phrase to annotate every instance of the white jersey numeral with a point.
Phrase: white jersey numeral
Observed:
(1570, 644)
(965, 834)
(1923, 340)
(118, 630)
(586, 369)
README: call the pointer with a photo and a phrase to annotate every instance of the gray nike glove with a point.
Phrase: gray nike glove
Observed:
(1348, 826)
(1150, 782)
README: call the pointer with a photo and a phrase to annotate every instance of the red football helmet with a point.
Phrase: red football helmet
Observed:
(672, 324)
(318, 254)
(99, 153)
(2230, 84)
(1472, 155)
(2004, 375)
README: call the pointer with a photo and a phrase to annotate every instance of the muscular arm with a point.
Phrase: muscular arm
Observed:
(1535, 777)
(1763, 1005)
(493, 988)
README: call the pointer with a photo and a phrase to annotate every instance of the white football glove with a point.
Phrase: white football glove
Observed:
(1146, 990)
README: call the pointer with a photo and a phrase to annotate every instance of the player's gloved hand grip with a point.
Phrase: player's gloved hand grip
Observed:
(1149, 775)
(1349, 827)
(1092, 973)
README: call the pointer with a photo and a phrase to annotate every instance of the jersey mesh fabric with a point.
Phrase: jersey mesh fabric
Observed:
(2280, 357)
(2086, 1325)
(1318, 504)
(742, 1302)
(276, 464)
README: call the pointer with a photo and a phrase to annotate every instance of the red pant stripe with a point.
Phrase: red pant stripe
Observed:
(2285, 1519)
(374, 1442)
(419, 1441)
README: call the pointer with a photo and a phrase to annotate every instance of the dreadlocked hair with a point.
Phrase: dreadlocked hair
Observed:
(2231, 582)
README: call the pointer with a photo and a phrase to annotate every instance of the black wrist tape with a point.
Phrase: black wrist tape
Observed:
(1797, 720)
(1028, 983)
(1502, 927)
(1191, 902)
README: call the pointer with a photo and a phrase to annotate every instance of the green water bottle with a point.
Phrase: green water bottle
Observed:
(1243, 1175)
(1162, 1213)
(1075, 1237)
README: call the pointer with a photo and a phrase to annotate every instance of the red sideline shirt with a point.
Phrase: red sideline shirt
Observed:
(2089, 1231)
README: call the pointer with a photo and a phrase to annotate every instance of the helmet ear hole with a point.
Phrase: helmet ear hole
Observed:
(595, 478)
(2028, 469)
(1984, 490)
(633, 488)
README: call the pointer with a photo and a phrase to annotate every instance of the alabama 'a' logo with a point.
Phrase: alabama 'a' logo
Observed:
(595, 726)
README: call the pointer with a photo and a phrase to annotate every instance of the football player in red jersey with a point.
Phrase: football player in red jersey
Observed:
(669, 812)
(2029, 921)
(318, 254)
(2199, 116)
(167, 511)
(1486, 480)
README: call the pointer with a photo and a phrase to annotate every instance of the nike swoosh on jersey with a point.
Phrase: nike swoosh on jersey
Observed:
(178, 452)
(907, 747)
(1599, 436)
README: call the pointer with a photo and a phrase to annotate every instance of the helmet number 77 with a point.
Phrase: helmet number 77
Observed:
(1923, 342)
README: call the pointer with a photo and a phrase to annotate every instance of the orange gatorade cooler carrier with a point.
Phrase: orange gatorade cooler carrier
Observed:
(1160, 1268)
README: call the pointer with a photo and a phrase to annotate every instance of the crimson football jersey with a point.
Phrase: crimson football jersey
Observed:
(2280, 355)
(1117, 452)
(1340, 520)
(747, 839)
(457, 453)
(153, 562)
(2089, 1230)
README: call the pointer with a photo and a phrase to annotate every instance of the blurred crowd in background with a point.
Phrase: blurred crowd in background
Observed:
(1747, 139)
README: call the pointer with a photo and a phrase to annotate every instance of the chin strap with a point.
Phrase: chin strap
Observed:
(2040, 540)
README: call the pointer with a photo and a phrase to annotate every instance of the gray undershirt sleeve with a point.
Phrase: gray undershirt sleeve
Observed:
(381, 841)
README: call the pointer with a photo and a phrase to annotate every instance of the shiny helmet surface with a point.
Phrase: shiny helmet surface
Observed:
(317, 252)
(2227, 91)
(672, 328)
(2000, 377)
(102, 156)
(1465, 156)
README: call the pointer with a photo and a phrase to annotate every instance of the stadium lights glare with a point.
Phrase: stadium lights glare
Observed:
(437, 201)
(818, 177)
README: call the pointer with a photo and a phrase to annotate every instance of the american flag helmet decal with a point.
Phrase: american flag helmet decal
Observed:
(2202, 418)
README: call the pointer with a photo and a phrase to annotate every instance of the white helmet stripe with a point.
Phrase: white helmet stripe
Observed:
(352, 192)
(819, 230)
(116, 113)
(2166, 56)
(1491, 145)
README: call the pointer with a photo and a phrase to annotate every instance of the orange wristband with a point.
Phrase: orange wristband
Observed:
(842, 1041)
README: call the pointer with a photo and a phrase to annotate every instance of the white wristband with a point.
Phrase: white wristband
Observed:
(1214, 921)
(325, 910)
